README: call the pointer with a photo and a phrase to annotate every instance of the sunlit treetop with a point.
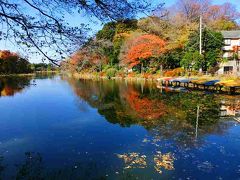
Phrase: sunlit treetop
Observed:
(144, 47)
(5, 54)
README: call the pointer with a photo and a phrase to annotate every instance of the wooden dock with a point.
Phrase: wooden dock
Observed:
(201, 84)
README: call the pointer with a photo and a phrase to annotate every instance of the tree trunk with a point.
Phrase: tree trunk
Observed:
(161, 69)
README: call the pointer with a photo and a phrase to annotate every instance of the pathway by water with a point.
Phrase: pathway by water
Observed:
(60, 128)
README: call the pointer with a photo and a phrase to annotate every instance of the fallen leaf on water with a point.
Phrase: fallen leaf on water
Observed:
(163, 161)
(133, 160)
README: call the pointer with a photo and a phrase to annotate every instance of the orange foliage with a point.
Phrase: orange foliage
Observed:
(93, 57)
(144, 107)
(147, 75)
(174, 72)
(5, 54)
(102, 74)
(120, 74)
(236, 48)
(131, 74)
(144, 47)
(9, 91)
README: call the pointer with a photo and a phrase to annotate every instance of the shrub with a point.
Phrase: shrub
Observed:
(174, 72)
(111, 72)
(105, 67)
(147, 75)
(131, 74)
(101, 74)
(194, 73)
(120, 74)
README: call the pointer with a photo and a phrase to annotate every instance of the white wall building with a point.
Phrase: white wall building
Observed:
(231, 41)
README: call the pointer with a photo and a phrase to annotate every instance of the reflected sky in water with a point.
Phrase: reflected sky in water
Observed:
(61, 128)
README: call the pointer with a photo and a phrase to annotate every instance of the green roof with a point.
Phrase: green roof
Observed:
(231, 34)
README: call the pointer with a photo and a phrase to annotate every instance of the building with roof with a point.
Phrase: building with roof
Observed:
(231, 52)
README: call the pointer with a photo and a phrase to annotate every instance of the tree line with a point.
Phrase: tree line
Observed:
(14, 63)
(167, 39)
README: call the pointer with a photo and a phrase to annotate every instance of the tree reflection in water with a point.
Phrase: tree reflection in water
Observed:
(170, 121)
(11, 85)
(33, 168)
(164, 115)
(2, 168)
(169, 118)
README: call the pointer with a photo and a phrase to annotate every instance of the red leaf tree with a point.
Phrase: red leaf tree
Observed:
(144, 107)
(86, 58)
(144, 47)
(5, 54)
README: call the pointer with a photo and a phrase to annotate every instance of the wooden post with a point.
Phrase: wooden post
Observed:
(200, 31)
(196, 128)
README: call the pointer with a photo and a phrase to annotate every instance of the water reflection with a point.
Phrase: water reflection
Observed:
(180, 121)
(230, 108)
(33, 167)
(77, 129)
(168, 113)
(11, 85)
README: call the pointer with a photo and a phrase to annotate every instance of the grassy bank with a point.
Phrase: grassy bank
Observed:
(227, 83)
(148, 77)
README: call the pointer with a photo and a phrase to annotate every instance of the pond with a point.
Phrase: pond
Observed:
(53, 127)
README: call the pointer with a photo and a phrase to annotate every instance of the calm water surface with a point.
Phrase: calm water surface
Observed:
(60, 128)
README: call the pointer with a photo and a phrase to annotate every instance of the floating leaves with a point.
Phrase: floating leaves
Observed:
(145, 140)
(163, 161)
(133, 160)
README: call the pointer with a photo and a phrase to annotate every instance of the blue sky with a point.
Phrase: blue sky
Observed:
(97, 26)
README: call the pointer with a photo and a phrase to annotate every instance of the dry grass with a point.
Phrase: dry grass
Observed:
(147, 76)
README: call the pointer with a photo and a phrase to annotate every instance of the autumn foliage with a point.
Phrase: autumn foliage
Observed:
(83, 55)
(87, 58)
(144, 47)
(11, 63)
(5, 54)
(144, 107)
(11, 85)
(236, 48)
(160, 42)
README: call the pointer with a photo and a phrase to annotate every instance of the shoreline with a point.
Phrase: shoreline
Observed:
(218, 84)
(16, 75)
(92, 76)
(28, 74)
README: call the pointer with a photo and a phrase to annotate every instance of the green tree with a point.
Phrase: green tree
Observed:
(114, 32)
(212, 44)
(172, 58)
(192, 60)
(107, 32)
